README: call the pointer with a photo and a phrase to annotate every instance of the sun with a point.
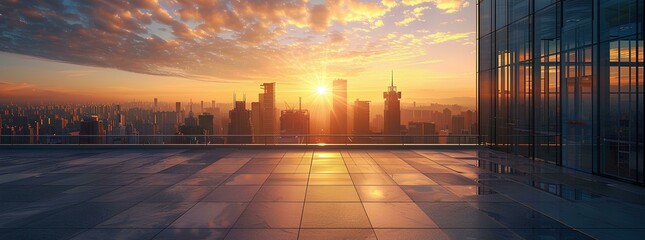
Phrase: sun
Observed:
(321, 90)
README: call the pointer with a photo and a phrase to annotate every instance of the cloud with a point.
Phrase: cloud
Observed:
(377, 24)
(412, 15)
(442, 37)
(448, 6)
(389, 3)
(320, 18)
(23, 92)
(337, 37)
(206, 40)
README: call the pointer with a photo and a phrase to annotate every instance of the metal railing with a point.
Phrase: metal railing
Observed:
(258, 140)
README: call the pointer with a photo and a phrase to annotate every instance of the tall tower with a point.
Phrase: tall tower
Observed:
(268, 111)
(178, 112)
(294, 124)
(392, 113)
(191, 120)
(240, 126)
(338, 123)
(361, 117)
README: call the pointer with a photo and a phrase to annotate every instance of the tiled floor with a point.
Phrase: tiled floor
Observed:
(299, 194)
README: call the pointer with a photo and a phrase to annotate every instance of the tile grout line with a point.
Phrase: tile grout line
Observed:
(187, 210)
(359, 196)
(135, 203)
(304, 201)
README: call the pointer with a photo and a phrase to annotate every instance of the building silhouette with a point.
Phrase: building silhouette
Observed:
(377, 123)
(256, 120)
(190, 121)
(265, 114)
(240, 124)
(392, 110)
(206, 123)
(447, 119)
(178, 111)
(457, 125)
(422, 132)
(338, 116)
(92, 131)
(294, 125)
(361, 117)
(167, 126)
(562, 82)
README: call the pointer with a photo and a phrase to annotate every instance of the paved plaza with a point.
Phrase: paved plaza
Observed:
(307, 194)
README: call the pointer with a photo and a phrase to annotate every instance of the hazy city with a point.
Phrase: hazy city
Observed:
(322, 119)
(138, 122)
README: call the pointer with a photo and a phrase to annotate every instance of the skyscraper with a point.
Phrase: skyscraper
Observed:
(294, 125)
(191, 121)
(338, 121)
(562, 82)
(392, 111)
(178, 111)
(377, 123)
(206, 123)
(447, 119)
(240, 124)
(92, 131)
(268, 112)
(422, 132)
(256, 121)
(457, 125)
(167, 124)
(361, 117)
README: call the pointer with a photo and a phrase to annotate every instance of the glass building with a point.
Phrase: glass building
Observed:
(562, 82)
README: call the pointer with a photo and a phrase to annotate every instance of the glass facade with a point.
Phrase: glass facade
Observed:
(562, 82)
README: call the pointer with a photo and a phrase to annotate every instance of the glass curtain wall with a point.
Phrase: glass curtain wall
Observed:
(562, 82)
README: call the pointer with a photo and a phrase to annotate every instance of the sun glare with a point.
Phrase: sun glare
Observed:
(321, 90)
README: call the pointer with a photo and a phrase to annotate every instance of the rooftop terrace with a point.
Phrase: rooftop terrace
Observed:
(306, 194)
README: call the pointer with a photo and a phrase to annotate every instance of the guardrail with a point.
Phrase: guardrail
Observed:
(257, 140)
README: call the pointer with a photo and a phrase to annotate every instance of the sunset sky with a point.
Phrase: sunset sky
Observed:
(178, 50)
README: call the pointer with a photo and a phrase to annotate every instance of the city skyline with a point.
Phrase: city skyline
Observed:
(261, 121)
(300, 45)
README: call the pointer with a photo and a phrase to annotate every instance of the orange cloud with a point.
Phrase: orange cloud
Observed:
(448, 6)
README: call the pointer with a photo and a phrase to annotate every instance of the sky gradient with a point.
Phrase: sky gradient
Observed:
(178, 50)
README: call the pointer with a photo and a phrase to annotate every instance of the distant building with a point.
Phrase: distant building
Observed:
(191, 121)
(338, 116)
(457, 126)
(168, 126)
(240, 124)
(269, 111)
(256, 120)
(206, 123)
(377, 123)
(443, 136)
(361, 117)
(178, 111)
(422, 132)
(92, 131)
(294, 124)
(392, 111)
(6, 135)
(468, 120)
(447, 119)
